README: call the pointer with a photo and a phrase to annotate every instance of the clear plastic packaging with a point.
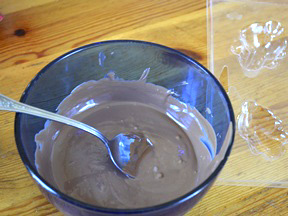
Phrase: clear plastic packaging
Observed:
(247, 46)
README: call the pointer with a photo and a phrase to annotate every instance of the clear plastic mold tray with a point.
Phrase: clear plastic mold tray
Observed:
(248, 41)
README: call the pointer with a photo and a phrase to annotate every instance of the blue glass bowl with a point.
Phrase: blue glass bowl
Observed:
(190, 82)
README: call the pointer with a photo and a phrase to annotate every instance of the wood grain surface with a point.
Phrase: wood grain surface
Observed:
(35, 32)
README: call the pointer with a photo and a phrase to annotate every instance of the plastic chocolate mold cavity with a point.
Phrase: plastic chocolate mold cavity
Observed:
(262, 130)
(260, 45)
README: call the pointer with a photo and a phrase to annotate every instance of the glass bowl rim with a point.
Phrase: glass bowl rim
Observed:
(36, 176)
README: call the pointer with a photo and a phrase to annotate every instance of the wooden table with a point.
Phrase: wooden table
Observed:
(35, 32)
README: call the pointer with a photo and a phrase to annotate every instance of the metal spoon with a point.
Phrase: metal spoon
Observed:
(125, 150)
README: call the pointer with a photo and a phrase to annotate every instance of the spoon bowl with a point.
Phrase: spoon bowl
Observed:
(127, 151)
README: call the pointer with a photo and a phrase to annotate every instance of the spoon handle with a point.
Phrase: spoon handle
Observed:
(9, 104)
